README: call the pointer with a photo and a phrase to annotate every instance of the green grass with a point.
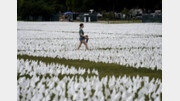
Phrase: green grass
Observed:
(104, 69)
(120, 21)
(100, 21)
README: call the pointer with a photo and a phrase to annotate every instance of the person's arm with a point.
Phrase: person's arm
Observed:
(82, 35)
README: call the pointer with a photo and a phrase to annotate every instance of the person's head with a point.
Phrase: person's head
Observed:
(81, 25)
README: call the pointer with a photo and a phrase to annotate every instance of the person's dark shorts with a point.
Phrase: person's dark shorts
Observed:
(81, 38)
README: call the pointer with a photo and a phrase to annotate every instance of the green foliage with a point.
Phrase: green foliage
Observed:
(125, 11)
(68, 4)
(18, 18)
(45, 8)
(108, 15)
(111, 15)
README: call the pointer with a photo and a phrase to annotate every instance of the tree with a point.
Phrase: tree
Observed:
(46, 8)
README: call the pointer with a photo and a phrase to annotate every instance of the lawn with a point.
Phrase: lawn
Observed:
(120, 21)
(103, 68)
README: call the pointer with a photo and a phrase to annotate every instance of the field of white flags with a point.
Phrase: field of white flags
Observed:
(124, 62)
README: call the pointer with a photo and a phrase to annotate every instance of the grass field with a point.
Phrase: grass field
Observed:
(123, 63)
(120, 21)
(103, 68)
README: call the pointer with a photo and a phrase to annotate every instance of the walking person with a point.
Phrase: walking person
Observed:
(82, 36)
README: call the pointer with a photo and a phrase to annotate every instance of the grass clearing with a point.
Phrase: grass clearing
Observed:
(119, 21)
(103, 68)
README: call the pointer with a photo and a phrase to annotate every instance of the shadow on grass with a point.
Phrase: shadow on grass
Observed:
(103, 68)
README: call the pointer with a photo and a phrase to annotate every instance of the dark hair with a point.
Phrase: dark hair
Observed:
(81, 24)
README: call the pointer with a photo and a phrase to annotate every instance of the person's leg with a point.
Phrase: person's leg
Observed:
(85, 44)
(80, 44)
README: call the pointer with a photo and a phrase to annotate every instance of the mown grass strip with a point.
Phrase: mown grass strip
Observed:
(103, 68)
(119, 21)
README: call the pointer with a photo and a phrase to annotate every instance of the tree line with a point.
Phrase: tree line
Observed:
(46, 8)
